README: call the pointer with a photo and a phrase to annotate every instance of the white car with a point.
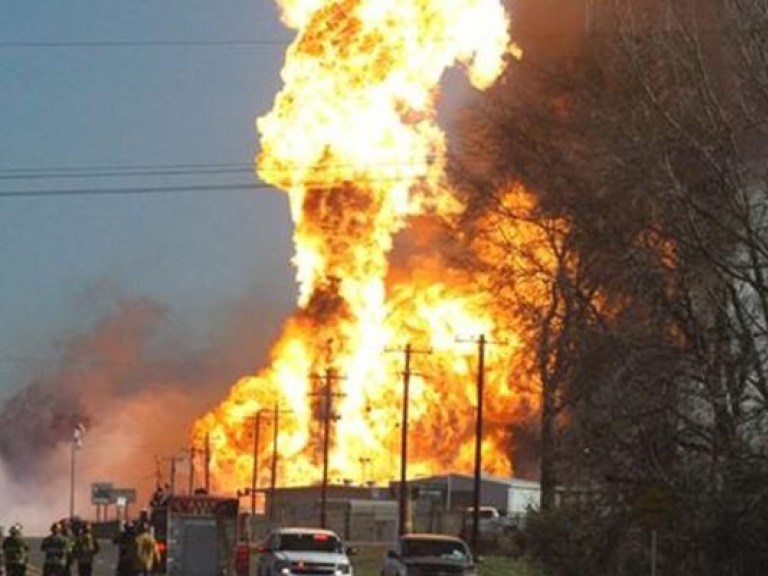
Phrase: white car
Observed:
(429, 555)
(305, 552)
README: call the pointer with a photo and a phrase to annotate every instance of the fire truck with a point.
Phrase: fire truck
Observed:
(196, 535)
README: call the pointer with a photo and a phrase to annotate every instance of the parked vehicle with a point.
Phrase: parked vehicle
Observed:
(490, 521)
(429, 555)
(305, 551)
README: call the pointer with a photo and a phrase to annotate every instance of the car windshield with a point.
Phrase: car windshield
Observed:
(439, 548)
(308, 542)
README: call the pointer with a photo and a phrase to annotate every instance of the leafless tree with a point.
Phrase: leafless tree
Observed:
(647, 147)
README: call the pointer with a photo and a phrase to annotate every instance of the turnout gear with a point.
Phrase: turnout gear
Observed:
(85, 548)
(55, 547)
(16, 552)
(125, 542)
(145, 554)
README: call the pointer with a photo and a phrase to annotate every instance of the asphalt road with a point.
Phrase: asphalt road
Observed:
(104, 564)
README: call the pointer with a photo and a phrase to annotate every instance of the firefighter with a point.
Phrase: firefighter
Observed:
(145, 554)
(67, 532)
(16, 552)
(85, 548)
(55, 548)
(125, 543)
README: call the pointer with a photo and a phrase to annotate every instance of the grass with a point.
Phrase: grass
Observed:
(367, 562)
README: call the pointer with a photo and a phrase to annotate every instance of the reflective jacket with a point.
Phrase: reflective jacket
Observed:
(86, 547)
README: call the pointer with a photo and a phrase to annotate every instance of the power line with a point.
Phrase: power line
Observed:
(124, 167)
(42, 175)
(144, 43)
(194, 188)
(183, 169)
(133, 190)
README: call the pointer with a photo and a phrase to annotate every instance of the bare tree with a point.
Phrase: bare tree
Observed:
(646, 146)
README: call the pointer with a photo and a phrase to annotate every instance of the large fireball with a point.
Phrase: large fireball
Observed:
(353, 140)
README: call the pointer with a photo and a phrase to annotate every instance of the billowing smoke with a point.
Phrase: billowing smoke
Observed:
(136, 387)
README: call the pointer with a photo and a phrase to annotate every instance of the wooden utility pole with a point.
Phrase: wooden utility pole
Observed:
(207, 470)
(481, 345)
(173, 473)
(171, 460)
(255, 469)
(408, 351)
(328, 395)
(191, 470)
(478, 437)
(158, 472)
(273, 480)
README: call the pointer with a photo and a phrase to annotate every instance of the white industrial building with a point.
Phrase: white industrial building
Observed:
(511, 496)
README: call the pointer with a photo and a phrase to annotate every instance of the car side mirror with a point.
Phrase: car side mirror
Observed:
(262, 548)
(478, 559)
(350, 550)
(393, 555)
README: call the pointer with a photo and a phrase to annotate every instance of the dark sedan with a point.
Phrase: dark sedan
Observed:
(429, 555)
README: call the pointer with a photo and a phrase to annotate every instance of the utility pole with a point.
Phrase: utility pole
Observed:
(481, 345)
(175, 459)
(328, 395)
(408, 351)
(158, 472)
(273, 481)
(364, 462)
(173, 474)
(172, 461)
(255, 470)
(207, 470)
(192, 452)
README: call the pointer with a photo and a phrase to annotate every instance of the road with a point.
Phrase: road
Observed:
(366, 562)
(104, 564)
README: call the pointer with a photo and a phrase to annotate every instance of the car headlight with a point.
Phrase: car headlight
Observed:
(283, 567)
(343, 569)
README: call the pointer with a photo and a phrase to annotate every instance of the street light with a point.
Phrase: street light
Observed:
(77, 442)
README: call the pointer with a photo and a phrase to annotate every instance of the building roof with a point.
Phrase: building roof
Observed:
(509, 481)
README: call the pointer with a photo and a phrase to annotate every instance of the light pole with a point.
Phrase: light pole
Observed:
(77, 442)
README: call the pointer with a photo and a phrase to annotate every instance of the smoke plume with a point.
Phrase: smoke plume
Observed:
(136, 388)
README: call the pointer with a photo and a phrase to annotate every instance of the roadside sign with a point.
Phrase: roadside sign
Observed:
(653, 506)
(126, 495)
(101, 493)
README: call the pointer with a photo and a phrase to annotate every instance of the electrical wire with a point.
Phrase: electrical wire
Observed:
(187, 169)
(195, 188)
(121, 173)
(143, 43)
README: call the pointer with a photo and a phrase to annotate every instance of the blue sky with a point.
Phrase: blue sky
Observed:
(71, 98)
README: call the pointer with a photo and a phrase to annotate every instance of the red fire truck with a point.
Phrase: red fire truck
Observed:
(196, 535)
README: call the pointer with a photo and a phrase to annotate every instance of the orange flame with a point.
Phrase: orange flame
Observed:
(353, 140)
